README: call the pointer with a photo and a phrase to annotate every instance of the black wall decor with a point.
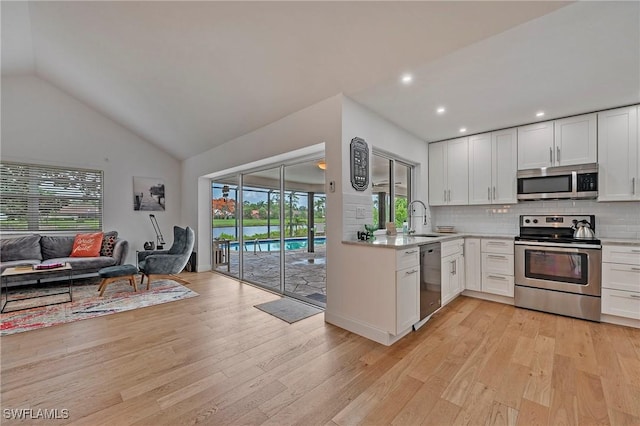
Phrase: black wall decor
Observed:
(359, 164)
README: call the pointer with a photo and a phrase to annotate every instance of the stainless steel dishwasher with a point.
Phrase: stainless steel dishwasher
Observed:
(430, 281)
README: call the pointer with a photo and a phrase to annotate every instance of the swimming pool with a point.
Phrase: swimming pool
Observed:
(274, 245)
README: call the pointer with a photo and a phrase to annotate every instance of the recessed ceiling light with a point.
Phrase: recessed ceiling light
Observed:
(540, 114)
(441, 110)
(463, 129)
(407, 78)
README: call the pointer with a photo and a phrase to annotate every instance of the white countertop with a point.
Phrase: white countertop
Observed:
(406, 241)
(620, 241)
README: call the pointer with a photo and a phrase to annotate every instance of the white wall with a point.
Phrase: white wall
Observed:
(613, 220)
(319, 123)
(345, 286)
(44, 125)
(381, 134)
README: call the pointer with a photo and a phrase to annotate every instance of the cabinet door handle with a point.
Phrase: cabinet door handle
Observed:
(497, 277)
(453, 267)
(444, 196)
(558, 155)
(489, 193)
(411, 272)
(449, 195)
(633, 185)
(494, 192)
(550, 155)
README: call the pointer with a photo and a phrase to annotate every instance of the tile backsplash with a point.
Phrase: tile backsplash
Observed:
(613, 220)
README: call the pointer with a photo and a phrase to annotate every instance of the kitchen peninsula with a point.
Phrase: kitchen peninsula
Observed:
(382, 298)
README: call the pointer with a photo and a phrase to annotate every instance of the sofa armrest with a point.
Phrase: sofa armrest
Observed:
(120, 251)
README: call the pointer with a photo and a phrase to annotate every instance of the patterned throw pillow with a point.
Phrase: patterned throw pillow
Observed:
(108, 243)
(87, 245)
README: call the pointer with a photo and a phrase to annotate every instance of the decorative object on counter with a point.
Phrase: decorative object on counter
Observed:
(359, 164)
(391, 229)
(149, 245)
(446, 229)
(370, 231)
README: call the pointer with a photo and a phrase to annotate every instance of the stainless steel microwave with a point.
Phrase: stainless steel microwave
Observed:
(555, 183)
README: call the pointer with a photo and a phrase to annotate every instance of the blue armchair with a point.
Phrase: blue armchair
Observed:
(167, 263)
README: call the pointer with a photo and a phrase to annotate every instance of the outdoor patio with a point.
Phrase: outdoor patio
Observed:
(305, 273)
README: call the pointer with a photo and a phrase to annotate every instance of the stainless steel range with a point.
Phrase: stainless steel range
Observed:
(555, 272)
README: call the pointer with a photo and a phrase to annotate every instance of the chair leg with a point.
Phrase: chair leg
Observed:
(132, 280)
(104, 283)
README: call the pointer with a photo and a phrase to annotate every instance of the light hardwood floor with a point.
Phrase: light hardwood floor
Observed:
(215, 359)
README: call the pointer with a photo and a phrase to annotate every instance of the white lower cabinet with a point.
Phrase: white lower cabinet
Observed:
(407, 298)
(621, 281)
(472, 264)
(489, 266)
(452, 269)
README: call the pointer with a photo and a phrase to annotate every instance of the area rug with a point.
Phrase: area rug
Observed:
(288, 310)
(118, 297)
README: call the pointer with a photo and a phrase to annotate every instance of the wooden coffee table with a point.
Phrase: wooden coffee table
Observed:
(38, 275)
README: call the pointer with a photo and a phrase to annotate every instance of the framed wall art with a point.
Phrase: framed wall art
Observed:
(148, 194)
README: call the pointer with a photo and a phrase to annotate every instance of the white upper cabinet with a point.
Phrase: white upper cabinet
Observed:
(575, 140)
(535, 146)
(437, 174)
(480, 169)
(619, 155)
(493, 167)
(449, 172)
(564, 142)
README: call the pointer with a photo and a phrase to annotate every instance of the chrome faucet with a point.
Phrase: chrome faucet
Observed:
(410, 210)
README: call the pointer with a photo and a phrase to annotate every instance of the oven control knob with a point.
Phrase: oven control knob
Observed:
(535, 220)
(527, 221)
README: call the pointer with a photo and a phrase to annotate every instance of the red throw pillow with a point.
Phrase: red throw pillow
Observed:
(87, 245)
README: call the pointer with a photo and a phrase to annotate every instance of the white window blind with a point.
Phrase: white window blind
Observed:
(46, 198)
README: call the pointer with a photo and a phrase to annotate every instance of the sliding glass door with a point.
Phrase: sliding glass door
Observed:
(261, 228)
(225, 226)
(305, 244)
(269, 229)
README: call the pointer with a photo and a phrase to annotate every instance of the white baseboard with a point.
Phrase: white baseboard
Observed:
(488, 296)
(203, 268)
(363, 329)
(612, 319)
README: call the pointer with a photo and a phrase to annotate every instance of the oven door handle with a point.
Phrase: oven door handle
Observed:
(561, 245)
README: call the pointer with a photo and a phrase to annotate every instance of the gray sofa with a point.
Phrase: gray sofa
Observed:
(35, 249)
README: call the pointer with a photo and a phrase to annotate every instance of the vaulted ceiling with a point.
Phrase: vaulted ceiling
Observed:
(189, 76)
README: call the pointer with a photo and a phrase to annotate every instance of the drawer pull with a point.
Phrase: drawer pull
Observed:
(497, 277)
(635, 269)
(493, 256)
(635, 296)
(410, 251)
(411, 272)
(635, 251)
